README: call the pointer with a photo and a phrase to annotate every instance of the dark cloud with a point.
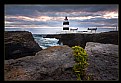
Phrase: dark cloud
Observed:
(113, 20)
(54, 11)
(19, 22)
(32, 9)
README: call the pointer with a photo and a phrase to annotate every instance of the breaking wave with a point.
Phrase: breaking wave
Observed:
(46, 42)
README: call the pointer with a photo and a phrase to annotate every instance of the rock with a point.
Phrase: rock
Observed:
(53, 63)
(103, 61)
(73, 40)
(80, 39)
(106, 37)
(19, 44)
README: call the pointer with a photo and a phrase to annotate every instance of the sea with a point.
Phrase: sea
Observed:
(48, 42)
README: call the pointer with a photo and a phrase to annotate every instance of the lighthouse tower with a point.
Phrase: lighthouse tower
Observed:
(66, 24)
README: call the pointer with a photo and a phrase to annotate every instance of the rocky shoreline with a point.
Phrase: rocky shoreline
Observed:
(25, 60)
(81, 39)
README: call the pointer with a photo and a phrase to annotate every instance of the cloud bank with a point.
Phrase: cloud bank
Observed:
(38, 16)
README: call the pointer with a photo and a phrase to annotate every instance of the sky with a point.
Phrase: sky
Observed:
(47, 15)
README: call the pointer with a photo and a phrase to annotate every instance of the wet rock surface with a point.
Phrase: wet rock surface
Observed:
(53, 63)
(19, 44)
(103, 61)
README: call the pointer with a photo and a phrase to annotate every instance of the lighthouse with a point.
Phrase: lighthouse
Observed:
(66, 24)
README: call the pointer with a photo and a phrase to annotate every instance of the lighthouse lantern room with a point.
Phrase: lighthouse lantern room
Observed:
(66, 24)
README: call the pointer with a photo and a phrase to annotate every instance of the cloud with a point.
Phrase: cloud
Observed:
(33, 9)
(53, 15)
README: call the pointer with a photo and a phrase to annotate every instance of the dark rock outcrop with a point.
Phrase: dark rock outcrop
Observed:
(73, 39)
(53, 63)
(103, 61)
(80, 39)
(107, 37)
(19, 44)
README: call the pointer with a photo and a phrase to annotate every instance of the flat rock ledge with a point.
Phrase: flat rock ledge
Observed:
(53, 63)
(103, 61)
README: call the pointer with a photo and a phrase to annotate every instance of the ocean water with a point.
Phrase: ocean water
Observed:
(48, 42)
(37, 30)
(53, 30)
